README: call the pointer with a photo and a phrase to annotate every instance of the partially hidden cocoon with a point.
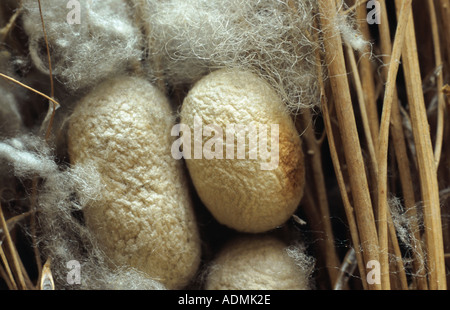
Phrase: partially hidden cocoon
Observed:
(257, 262)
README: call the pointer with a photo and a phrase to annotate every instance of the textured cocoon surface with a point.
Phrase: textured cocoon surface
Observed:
(256, 262)
(237, 192)
(145, 218)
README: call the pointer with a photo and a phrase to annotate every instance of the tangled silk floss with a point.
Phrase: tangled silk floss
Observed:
(104, 43)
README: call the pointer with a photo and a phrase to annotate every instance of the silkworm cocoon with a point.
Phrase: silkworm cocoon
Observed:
(245, 184)
(256, 262)
(145, 218)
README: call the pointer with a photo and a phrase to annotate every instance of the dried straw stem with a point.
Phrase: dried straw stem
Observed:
(313, 149)
(340, 178)
(334, 57)
(11, 23)
(444, 9)
(16, 263)
(439, 82)
(6, 272)
(384, 141)
(29, 88)
(400, 149)
(366, 119)
(425, 159)
(353, 228)
(367, 76)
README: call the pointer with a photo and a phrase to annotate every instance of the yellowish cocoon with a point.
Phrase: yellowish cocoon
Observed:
(255, 262)
(145, 218)
(241, 193)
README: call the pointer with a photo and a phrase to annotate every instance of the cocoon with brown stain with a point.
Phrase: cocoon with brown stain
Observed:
(242, 193)
(256, 262)
(145, 218)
